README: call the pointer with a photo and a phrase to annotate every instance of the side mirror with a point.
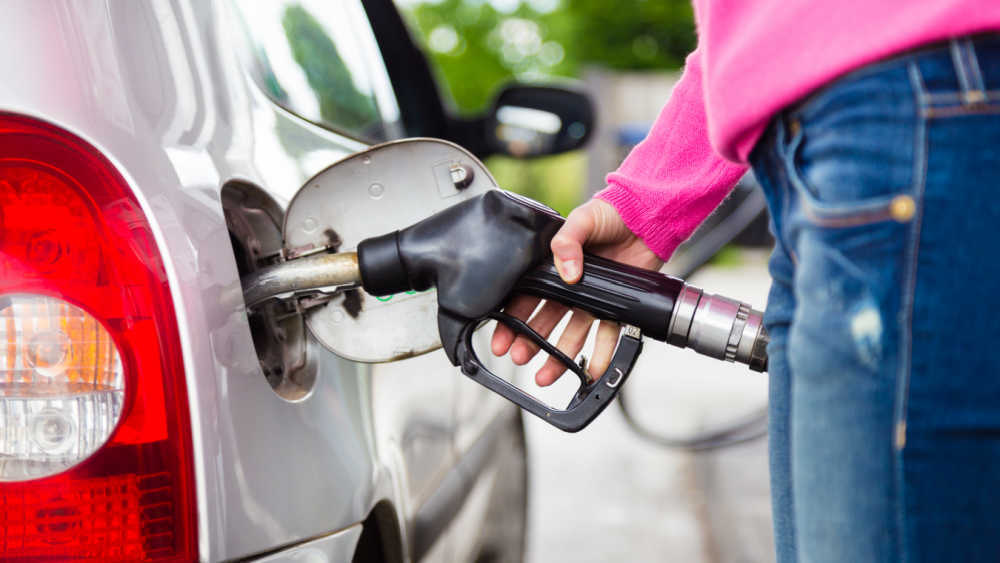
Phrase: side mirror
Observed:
(529, 121)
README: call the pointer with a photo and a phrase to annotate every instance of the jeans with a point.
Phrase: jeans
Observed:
(884, 312)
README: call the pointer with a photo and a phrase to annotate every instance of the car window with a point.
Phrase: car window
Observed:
(319, 60)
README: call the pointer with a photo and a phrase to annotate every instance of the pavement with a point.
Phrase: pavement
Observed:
(606, 494)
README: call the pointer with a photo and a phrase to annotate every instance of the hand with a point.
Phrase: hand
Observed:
(597, 225)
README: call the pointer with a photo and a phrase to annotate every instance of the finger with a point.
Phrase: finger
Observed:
(520, 306)
(570, 342)
(567, 244)
(543, 322)
(604, 347)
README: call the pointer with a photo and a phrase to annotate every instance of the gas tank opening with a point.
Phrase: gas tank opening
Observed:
(285, 349)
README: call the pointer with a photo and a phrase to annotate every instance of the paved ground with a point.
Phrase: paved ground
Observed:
(605, 494)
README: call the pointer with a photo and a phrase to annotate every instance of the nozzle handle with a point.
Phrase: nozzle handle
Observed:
(612, 291)
(662, 307)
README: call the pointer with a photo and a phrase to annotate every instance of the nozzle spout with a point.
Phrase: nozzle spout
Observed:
(302, 274)
(719, 327)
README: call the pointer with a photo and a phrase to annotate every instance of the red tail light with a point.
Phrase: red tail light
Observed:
(72, 232)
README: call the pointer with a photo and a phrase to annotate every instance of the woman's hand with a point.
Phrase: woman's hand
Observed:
(597, 225)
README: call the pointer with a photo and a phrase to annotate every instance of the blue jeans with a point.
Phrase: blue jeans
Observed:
(884, 191)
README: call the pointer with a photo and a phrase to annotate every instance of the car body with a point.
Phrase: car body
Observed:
(399, 461)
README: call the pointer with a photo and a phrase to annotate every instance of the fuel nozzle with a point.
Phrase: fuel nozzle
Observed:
(478, 252)
(719, 327)
(483, 249)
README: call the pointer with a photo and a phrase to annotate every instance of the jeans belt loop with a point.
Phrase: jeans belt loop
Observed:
(970, 77)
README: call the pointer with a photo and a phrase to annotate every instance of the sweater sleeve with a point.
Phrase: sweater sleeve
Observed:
(673, 179)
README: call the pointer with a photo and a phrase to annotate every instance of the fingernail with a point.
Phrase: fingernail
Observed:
(570, 269)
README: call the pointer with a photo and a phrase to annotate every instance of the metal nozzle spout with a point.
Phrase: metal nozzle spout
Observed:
(302, 274)
(719, 327)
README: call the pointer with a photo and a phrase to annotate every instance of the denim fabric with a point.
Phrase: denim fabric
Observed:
(884, 191)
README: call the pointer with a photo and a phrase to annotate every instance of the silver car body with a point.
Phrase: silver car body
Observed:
(157, 87)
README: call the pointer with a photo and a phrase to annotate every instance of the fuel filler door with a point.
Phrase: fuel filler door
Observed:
(370, 193)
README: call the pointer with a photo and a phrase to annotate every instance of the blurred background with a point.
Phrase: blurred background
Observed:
(625, 54)
(681, 475)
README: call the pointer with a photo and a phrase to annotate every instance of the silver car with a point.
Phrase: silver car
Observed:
(148, 151)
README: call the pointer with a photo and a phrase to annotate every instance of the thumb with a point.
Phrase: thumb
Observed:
(567, 244)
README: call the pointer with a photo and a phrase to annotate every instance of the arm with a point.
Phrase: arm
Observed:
(673, 179)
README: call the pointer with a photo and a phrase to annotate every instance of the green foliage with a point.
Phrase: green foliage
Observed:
(556, 181)
(474, 68)
(340, 103)
(632, 35)
(482, 48)
(729, 256)
(476, 49)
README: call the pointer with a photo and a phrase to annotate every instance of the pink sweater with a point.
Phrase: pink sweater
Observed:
(753, 59)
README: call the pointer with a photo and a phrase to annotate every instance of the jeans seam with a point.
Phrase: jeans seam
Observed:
(974, 69)
(906, 306)
(961, 71)
(951, 97)
(942, 112)
(786, 196)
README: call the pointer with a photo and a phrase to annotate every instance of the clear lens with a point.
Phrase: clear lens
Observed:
(46, 352)
(61, 386)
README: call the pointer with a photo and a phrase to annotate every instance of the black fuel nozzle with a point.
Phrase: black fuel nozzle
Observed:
(473, 253)
(480, 251)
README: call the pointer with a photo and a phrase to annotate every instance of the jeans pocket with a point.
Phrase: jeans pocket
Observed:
(850, 154)
(844, 179)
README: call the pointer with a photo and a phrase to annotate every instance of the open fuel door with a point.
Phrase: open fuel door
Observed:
(370, 193)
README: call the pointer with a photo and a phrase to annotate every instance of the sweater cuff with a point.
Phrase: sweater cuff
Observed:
(641, 220)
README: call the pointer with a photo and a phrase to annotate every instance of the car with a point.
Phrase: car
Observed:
(148, 152)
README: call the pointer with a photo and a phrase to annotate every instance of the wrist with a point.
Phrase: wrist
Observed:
(661, 237)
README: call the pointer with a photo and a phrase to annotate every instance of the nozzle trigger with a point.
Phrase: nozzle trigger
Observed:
(592, 397)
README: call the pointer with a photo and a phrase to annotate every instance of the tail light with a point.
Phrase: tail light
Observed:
(95, 447)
